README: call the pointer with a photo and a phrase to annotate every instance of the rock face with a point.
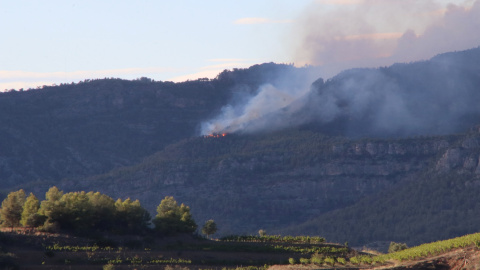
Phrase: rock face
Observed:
(248, 187)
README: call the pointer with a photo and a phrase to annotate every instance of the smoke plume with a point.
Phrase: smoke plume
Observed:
(429, 97)
(247, 112)
(376, 33)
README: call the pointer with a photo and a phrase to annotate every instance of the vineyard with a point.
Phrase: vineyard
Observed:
(275, 239)
(44, 250)
(186, 252)
(432, 249)
(419, 252)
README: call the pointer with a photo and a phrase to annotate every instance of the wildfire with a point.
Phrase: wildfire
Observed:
(215, 135)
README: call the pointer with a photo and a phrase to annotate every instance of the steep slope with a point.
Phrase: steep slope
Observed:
(91, 127)
(440, 202)
(435, 97)
(267, 181)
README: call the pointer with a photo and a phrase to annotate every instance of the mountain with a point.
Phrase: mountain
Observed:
(386, 154)
(437, 202)
(435, 97)
(87, 128)
(409, 190)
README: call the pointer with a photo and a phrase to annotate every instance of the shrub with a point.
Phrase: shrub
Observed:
(394, 247)
(354, 260)
(109, 267)
(330, 261)
(366, 259)
(291, 261)
(317, 259)
(304, 261)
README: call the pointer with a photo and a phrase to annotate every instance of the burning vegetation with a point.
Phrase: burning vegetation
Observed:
(216, 135)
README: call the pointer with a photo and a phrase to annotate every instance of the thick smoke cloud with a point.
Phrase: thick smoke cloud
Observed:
(376, 33)
(434, 97)
(240, 117)
(439, 96)
(249, 108)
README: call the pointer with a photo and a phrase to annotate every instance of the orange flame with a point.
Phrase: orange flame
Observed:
(215, 135)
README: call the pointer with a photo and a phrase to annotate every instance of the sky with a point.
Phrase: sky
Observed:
(63, 41)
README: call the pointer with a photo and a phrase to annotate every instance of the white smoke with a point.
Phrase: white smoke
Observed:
(241, 116)
(366, 35)
(374, 33)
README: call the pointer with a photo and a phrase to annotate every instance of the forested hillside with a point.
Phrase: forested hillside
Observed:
(368, 155)
(357, 191)
(90, 127)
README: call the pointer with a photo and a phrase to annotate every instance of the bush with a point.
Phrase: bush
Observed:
(330, 261)
(366, 259)
(341, 261)
(109, 267)
(354, 260)
(291, 261)
(304, 261)
(394, 247)
(317, 259)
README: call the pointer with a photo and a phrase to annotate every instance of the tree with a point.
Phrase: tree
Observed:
(209, 228)
(52, 208)
(131, 217)
(172, 218)
(12, 208)
(394, 247)
(262, 233)
(102, 211)
(77, 213)
(30, 215)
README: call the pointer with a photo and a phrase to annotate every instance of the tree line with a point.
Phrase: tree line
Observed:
(90, 212)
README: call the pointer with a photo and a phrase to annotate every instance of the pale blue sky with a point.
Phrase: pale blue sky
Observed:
(56, 41)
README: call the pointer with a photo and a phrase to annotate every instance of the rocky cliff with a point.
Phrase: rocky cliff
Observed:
(247, 183)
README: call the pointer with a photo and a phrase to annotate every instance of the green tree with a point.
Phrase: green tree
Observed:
(172, 218)
(209, 228)
(77, 212)
(92, 212)
(131, 217)
(52, 208)
(394, 247)
(12, 208)
(102, 213)
(30, 215)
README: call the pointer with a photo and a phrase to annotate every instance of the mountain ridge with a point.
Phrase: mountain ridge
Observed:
(335, 156)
